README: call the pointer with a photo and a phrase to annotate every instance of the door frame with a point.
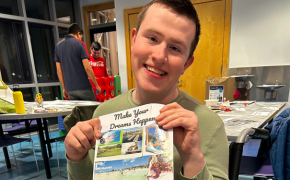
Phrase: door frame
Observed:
(127, 12)
(226, 40)
(86, 10)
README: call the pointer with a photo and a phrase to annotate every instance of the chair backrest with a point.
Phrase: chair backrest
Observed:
(236, 152)
(236, 149)
(79, 113)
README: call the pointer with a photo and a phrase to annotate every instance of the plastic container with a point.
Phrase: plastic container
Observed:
(18, 100)
(211, 102)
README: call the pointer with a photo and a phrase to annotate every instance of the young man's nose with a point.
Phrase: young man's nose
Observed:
(159, 53)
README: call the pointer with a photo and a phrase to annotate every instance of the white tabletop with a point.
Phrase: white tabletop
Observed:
(256, 115)
(64, 108)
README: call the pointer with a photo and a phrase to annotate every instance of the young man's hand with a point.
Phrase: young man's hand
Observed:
(81, 138)
(65, 95)
(99, 90)
(186, 136)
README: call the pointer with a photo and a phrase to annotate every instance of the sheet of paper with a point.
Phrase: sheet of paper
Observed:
(240, 109)
(233, 115)
(257, 113)
(271, 108)
(236, 121)
(133, 146)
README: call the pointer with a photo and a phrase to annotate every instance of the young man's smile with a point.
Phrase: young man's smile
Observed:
(154, 71)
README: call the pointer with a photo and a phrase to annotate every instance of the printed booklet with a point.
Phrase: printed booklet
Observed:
(132, 146)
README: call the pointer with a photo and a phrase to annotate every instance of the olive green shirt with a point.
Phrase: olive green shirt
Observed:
(214, 145)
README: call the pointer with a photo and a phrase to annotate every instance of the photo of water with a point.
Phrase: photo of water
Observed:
(110, 137)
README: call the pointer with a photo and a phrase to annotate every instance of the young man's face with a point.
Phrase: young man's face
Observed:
(95, 53)
(160, 49)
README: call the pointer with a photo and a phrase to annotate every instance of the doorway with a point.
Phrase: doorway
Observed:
(100, 26)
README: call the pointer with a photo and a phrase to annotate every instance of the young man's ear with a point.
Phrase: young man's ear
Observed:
(134, 34)
(188, 63)
(78, 35)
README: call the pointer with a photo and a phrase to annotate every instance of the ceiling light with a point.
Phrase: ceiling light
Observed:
(93, 19)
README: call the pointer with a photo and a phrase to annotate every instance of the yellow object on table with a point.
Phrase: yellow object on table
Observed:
(18, 100)
(38, 100)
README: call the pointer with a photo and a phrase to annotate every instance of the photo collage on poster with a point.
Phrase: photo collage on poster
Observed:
(135, 153)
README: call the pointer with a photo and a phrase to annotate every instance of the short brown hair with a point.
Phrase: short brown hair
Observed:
(74, 28)
(182, 7)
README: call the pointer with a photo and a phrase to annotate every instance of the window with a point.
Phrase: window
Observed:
(37, 9)
(28, 94)
(9, 7)
(13, 58)
(102, 17)
(50, 92)
(64, 11)
(62, 32)
(43, 51)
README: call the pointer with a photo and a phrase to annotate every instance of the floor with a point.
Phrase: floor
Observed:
(27, 166)
(26, 163)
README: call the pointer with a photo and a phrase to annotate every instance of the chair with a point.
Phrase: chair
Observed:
(21, 129)
(7, 140)
(263, 167)
(58, 139)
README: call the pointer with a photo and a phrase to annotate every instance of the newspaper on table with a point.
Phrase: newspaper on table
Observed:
(132, 146)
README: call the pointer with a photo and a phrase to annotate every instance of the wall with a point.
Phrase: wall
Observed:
(259, 42)
(260, 33)
(266, 75)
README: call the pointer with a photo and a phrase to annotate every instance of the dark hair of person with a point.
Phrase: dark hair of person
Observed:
(74, 28)
(96, 45)
(182, 7)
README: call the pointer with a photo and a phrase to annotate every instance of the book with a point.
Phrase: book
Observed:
(133, 146)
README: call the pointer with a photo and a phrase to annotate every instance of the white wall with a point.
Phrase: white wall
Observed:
(260, 33)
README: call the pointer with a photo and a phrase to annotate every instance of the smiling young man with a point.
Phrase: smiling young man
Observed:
(161, 50)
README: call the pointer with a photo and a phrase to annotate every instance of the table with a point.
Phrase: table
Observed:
(255, 115)
(65, 109)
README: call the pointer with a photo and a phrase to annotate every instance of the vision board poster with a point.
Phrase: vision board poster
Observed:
(132, 146)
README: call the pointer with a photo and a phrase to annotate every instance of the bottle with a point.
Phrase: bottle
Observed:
(18, 100)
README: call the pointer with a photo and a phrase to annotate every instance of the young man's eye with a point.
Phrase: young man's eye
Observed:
(152, 39)
(175, 49)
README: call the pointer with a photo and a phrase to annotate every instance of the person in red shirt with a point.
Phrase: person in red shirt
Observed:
(98, 63)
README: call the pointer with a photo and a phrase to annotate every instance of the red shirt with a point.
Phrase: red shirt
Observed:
(99, 66)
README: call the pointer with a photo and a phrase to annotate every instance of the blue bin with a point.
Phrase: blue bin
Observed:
(60, 123)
